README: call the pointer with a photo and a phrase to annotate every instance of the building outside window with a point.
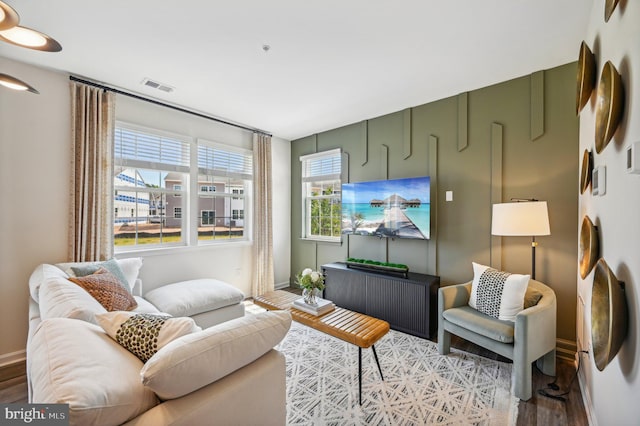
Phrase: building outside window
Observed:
(224, 176)
(171, 197)
(321, 197)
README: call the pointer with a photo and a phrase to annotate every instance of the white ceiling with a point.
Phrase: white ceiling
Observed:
(331, 62)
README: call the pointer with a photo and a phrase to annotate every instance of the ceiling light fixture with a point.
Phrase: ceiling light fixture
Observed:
(31, 39)
(8, 17)
(15, 84)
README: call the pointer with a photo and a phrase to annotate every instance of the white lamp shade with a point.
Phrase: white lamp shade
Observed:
(528, 218)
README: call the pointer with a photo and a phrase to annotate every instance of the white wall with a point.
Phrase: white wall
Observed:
(35, 148)
(613, 393)
(35, 155)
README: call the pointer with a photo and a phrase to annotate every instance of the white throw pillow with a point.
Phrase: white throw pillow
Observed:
(496, 293)
(195, 360)
(76, 363)
(143, 334)
(60, 298)
(41, 274)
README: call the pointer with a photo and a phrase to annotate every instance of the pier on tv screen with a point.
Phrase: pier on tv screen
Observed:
(395, 208)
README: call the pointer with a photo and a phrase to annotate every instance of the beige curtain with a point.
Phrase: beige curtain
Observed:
(263, 276)
(90, 227)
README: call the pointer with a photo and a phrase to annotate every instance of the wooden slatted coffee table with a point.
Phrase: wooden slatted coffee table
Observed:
(352, 327)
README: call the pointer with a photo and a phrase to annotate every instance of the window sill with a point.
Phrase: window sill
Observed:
(162, 251)
(323, 240)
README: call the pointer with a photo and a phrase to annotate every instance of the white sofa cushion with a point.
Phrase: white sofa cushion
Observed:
(144, 306)
(188, 298)
(144, 334)
(60, 298)
(197, 359)
(76, 363)
(41, 274)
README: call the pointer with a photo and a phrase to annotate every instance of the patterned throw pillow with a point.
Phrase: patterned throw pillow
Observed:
(496, 293)
(106, 289)
(110, 265)
(144, 334)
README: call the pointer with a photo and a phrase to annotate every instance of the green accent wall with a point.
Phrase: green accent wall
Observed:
(498, 160)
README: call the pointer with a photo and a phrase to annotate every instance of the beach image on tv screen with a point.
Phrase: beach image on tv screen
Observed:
(397, 208)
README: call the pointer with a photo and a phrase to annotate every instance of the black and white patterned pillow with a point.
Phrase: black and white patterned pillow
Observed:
(496, 293)
(145, 334)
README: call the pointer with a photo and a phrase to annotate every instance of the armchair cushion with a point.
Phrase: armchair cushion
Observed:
(496, 293)
(473, 320)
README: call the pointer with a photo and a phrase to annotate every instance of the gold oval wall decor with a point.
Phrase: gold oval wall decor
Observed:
(609, 316)
(609, 7)
(589, 246)
(609, 105)
(586, 170)
(586, 79)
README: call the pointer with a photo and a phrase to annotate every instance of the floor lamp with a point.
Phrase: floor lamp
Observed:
(528, 217)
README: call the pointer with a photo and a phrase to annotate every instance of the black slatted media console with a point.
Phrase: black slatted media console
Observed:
(407, 304)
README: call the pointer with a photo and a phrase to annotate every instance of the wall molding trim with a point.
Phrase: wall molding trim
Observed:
(13, 364)
(463, 121)
(537, 105)
(496, 188)
(432, 247)
(406, 133)
(364, 140)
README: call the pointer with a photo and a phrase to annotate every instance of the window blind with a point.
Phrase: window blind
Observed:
(219, 161)
(135, 149)
(322, 166)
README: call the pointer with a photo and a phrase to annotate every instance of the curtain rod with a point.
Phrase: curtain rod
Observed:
(155, 102)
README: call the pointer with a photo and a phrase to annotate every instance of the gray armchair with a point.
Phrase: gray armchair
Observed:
(532, 337)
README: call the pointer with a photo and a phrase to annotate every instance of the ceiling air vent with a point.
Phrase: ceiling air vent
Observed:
(157, 85)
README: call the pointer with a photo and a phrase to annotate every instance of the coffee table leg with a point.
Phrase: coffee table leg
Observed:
(360, 373)
(375, 355)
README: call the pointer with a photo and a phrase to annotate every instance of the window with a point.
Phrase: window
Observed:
(208, 217)
(237, 214)
(173, 190)
(224, 175)
(321, 210)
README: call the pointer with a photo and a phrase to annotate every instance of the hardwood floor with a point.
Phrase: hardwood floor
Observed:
(539, 410)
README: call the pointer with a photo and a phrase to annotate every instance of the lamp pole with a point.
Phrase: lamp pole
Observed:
(533, 257)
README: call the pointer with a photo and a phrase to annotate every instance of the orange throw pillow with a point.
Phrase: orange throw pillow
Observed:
(106, 289)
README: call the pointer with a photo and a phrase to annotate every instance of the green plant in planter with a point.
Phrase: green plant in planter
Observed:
(376, 263)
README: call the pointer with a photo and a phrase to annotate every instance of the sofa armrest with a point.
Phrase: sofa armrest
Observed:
(453, 296)
(195, 360)
(535, 327)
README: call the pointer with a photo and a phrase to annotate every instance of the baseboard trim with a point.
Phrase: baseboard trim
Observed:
(13, 365)
(280, 286)
(584, 391)
(566, 349)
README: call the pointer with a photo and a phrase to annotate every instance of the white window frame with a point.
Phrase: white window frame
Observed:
(307, 176)
(190, 186)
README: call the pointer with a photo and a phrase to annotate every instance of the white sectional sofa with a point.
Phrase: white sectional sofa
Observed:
(228, 373)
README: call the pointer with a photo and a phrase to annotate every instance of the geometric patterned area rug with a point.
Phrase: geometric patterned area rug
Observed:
(420, 386)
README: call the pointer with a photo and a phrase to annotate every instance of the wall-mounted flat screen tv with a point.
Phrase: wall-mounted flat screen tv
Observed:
(395, 208)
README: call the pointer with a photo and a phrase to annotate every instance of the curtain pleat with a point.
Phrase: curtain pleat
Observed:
(93, 121)
(263, 275)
